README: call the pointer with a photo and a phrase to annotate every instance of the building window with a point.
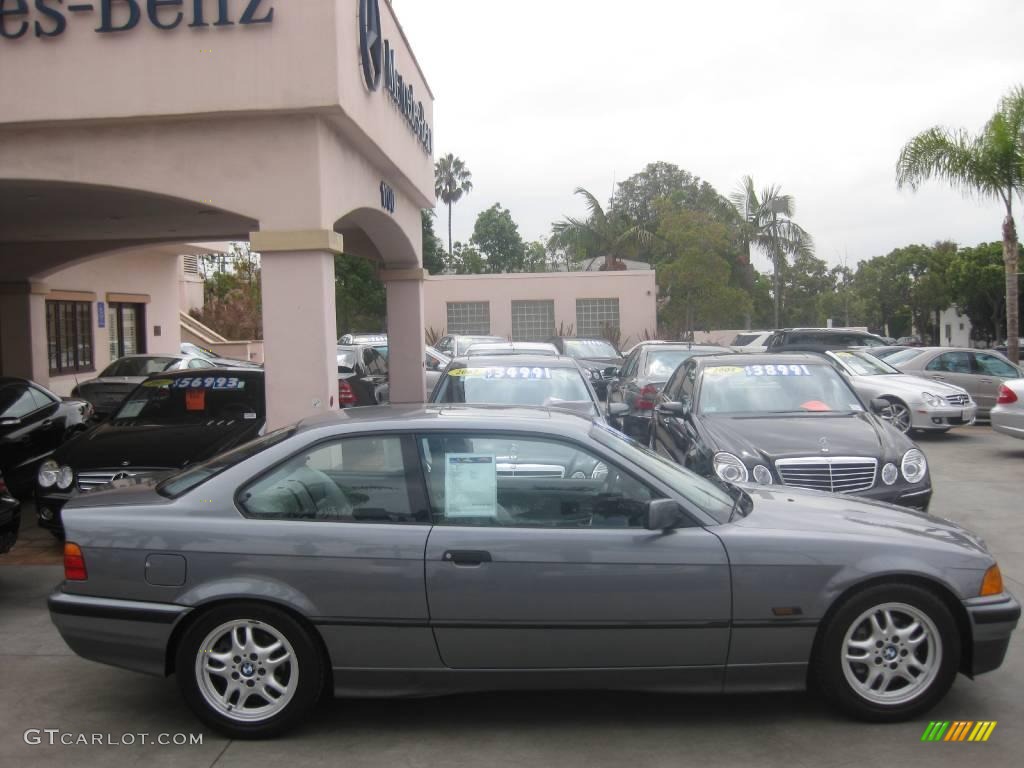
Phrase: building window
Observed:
(69, 336)
(127, 329)
(533, 320)
(594, 316)
(469, 318)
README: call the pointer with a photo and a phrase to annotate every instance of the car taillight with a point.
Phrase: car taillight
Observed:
(74, 563)
(345, 394)
(1006, 395)
(646, 400)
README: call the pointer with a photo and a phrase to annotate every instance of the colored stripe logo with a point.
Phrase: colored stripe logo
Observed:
(959, 730)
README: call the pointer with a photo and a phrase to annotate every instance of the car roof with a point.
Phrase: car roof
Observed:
(830, 331)
(453, 416)
(507, 361)
(766, 358)
(680, 345)
(207, 372)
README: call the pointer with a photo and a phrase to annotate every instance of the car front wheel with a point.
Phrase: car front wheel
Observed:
(249, 670)
(899, 415)
(888, 654)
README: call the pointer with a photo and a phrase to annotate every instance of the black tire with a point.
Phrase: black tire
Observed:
(309, 667)
(897, 409)
(827, 666)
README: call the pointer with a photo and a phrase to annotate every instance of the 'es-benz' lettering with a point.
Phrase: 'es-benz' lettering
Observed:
(51, 17)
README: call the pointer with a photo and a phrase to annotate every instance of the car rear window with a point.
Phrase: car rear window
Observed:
(193, 477)
(590, 348)
(138, 366)
(195, 400)
(516, 385)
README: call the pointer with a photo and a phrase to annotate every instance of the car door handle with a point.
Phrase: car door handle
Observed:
(938, 378)
(467, 556)
(986, 381)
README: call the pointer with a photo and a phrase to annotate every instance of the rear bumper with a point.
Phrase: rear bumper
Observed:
(122, 633)
(993, 620)
(1008, 422)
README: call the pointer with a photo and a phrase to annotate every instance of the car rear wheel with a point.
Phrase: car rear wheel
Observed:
(898, 415)
(249, 670)
(888, 654)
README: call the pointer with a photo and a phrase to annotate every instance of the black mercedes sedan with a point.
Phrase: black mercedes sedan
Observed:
(785, 419)
(598, 358)
(33, 422)
(647, 368)
(170, 421)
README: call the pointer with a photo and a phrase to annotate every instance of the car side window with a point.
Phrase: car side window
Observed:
(444, 345)
(991, 365)
(16, 402)
(951, 362)
(672, 387)
(42, 400)
(688, 381)
(375, 363)
(491, 480)
(353, 480)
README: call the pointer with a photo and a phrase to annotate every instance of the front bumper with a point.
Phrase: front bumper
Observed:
(49, 504)
(993, 620)
(923, 417)
(917, 496)
(122, 633)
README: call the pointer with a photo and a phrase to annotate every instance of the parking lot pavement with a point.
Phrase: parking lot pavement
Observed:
(977, 476)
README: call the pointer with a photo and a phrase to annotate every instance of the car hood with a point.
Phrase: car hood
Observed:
(768, 438)
(146, 445)
(911, 386)
(800, 510)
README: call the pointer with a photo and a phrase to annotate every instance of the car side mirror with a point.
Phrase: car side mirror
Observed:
(681, 408)
(664, 515)
(612, 372)
(880, 406)
(617, 409)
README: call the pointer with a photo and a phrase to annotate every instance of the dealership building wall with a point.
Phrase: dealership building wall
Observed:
(535, 306)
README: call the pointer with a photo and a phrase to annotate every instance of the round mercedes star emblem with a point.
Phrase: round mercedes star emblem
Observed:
(371, 43)
(823, 443)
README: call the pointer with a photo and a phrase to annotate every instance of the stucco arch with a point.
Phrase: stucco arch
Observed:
(378, 236)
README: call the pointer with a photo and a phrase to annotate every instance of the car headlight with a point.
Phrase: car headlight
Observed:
(933, 400)
(48, 471)
(730, 468)
(65, 477)
(914, 466)
(890, 473)
(762, 475)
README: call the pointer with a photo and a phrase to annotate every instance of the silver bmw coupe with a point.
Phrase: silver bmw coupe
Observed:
(410, 551)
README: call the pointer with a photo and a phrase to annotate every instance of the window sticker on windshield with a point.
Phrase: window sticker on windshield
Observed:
(157, 383)
(195, 399)
(470, 485)
(517, 373)
(724, 370)
(777, 370)
(468, 372)
(210, 382)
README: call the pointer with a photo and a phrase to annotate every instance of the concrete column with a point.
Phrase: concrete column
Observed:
(23, 331)
(406, 374)
(298, 323)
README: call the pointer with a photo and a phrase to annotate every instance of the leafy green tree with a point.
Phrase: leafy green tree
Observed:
(767, 223)
(636, 198)
(497, 238)
(695, 278)
(433, 250)
(359, 297)
(232, 296)
(882, 285)
(977, 287)
(807, 282)
(990, 165)
(599, 234)
(466, 260)
(452, 180)
(536, 259)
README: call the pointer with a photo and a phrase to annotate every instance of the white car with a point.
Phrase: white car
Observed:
(914, 402)
(1008, 413)
(750, 341)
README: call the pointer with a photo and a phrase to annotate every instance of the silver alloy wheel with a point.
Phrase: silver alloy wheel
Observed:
(899, 416)
(891, 654)
(246, 670)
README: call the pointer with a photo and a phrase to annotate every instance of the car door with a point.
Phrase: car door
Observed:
(990, 372)
(954, 367)
(539, 559)
(676, 435)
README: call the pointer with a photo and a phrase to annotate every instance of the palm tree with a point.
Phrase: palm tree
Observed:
(767, 222)
(599, 234)
(452, 180)
(991, 165)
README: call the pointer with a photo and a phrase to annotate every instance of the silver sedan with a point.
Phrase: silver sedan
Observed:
(420, 551)
(979, 371)
(1008, 414)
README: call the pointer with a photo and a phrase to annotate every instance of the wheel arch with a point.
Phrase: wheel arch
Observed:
(935, 587)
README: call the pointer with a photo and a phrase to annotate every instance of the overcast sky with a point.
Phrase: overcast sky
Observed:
(541, 96)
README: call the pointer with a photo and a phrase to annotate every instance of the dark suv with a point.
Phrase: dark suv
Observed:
(820, 340)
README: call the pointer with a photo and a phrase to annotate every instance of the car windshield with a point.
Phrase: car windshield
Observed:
(138, 366)
(589, 348)
(763, 389)
(863, 364)
(701, 492)
(903, 356)
(661, 363)
(211, 401)
(516, 385)
(190, 478)
(465, 342)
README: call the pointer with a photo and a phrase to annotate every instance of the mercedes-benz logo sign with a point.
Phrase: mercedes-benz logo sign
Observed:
(371, 43)
(823, 442)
